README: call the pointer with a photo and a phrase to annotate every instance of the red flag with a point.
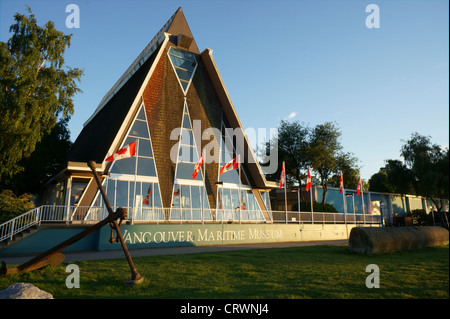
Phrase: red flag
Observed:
(308, 180)
(282, 176)
(198, 166)
(233, 164)
(125, 152)
(147, 198)
(358, 189)
(176, 193)
(341, 184)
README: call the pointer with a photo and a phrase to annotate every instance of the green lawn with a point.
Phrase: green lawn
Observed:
(305, 272)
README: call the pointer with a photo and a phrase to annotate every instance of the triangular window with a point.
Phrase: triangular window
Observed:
(189, 200)
(143, 163)
(184, 64)
(133, 181)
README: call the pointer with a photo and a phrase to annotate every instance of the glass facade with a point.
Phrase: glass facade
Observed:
(184, 64)
(189, 199)
(235, 199)
(133, 181)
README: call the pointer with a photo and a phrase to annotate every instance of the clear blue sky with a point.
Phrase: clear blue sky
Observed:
(307, 61)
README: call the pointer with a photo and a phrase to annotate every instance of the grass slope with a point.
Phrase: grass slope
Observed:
(318, 272)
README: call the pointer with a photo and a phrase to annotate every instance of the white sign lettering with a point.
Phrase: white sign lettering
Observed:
(201, 235)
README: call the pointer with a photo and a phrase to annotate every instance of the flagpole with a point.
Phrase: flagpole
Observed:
(204, 186)
(362, 199)
(135, 181)
(312, 210)
(298, 200)
(285, 194)
(240, 199)
(310, 195)
(345, 205)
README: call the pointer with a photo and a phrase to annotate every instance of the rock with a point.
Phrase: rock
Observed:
(23, 290)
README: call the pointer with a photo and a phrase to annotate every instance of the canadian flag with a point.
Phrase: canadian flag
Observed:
(308, 180)
(341, 184)
(233, 164)
(282, 176)
(127, 151)
(358, 189)
(198, 166)
(147, 198)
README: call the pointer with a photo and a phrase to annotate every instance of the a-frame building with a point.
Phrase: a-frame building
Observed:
(173, 103)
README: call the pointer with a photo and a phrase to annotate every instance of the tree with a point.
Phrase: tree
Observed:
(348, 164)
(299, 146)
(323, 150)
(378, 182)
(424, 171)
(429, 167)
(36, 88)
(47, 160)
(292, 145)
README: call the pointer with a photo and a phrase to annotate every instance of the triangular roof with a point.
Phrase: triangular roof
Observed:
(105, 129)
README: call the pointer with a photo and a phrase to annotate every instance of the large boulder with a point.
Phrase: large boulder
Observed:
(379, 240)
(23, 290)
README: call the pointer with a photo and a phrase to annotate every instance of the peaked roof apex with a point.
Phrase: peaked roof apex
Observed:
(176, 25)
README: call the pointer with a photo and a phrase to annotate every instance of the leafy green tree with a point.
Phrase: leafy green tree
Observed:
(323, 150)
(424, 171)
(291, 147)
(36, 88)
(319, 147)
(47, 160)
(348, 164)
(12, 205)
(378, 182)
(428, 164)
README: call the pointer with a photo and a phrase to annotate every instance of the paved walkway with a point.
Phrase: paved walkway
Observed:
(112, 254)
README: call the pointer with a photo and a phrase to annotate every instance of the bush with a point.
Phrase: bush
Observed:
(420, 217)
(12, 205)
(317, 207)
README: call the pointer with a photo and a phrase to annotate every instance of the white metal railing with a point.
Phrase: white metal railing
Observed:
(324, 218)
(70, 214)
(19, 223)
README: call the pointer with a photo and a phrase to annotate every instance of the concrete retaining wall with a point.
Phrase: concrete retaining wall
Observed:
(171, 235)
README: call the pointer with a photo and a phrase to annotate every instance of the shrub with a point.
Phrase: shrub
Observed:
(420, 217)
(12, 205)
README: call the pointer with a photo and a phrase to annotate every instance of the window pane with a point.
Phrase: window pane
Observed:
(185, 170)
(187, 138)
(226, 198)
(187, 154)
(122, 194)
(176, 196)
(76, 192)
(147, 195)
(139, 129)
(125, 166)
(141, 114)
(186, 122)
(146, 167)
(144, 148)
(110, 192)
(184, 75)
(244, 202)
(156, 196)
(132, 197)
(196, 198)
(185, 196)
